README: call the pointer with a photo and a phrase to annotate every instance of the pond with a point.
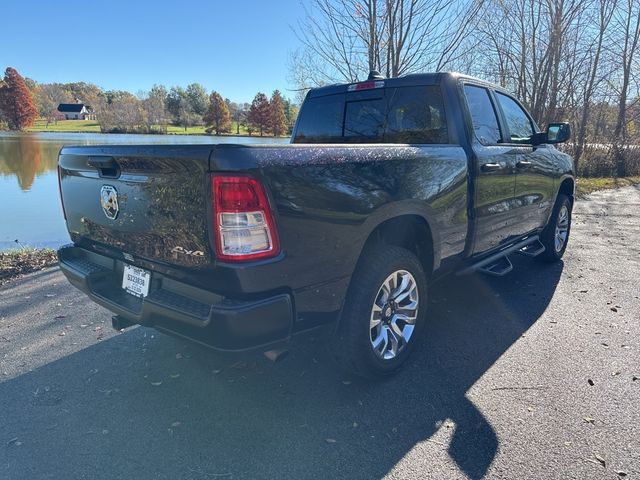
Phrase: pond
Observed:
(31, 214)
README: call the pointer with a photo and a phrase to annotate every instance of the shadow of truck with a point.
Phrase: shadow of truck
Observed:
(143, 405)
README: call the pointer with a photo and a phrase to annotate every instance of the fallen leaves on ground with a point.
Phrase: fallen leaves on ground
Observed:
(25, 260)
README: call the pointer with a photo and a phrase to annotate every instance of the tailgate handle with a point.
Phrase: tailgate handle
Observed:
(107, 166)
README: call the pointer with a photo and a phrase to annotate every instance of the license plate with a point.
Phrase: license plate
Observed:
(136, 281)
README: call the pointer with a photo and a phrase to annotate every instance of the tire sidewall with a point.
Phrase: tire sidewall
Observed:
(562, 200)
(367, 283)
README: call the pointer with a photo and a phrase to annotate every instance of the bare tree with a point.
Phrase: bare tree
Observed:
(154, 105)
(605, 10)
(526, 44)
(627, 25)
(120, 111)
(343, 40)
(238, 113)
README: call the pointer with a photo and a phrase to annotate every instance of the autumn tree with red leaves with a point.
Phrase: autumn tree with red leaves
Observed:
(260, 113)
(16, 102)
(278, 117)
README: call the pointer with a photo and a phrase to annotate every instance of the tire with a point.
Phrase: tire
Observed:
(391, 324)
(555, 236)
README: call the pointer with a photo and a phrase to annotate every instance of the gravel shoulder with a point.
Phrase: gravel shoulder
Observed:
(534, 375)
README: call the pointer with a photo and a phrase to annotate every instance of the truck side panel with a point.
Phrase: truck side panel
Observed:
(329, 199)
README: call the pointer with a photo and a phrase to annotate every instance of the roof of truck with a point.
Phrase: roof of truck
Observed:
(405, 81)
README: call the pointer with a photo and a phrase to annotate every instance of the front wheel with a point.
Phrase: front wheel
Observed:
(384, 312)
(555, 236)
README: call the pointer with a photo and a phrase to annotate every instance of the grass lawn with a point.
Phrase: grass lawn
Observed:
(584, 186)
(91, 126)
(199, 130)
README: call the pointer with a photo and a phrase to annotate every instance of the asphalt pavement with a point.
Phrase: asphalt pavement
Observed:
(535, 375)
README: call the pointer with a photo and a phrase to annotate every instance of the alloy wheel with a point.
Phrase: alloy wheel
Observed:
(562, 228)
(394, 314)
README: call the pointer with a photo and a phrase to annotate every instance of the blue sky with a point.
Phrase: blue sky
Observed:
(237, 47)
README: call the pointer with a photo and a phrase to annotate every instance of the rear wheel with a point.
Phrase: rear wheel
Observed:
(384, 312)
(555, 236)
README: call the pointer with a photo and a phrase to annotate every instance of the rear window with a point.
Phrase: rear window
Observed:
(321, 120)
(392, 115)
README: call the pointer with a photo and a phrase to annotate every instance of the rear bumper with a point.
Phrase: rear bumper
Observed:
(177, 308)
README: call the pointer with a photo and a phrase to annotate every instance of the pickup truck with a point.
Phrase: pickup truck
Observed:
(387, 185)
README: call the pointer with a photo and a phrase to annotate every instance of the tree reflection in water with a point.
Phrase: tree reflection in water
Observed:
(27, 157)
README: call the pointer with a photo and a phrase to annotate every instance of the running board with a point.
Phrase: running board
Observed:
(499, 264)
(500, 268)
(532, 250)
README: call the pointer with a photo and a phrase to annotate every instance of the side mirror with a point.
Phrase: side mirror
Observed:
(558, 133)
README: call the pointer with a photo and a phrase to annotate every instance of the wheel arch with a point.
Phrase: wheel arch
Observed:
(411, 231)
(567, 187)
(406, 226)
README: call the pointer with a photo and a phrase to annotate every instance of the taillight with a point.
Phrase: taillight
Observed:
(243, 221)
(64, 212)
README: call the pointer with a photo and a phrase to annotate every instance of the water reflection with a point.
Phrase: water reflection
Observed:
(26, 157)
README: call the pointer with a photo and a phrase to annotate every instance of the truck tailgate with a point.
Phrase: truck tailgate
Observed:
(146, 201)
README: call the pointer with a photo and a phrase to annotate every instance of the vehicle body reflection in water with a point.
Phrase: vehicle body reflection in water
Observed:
(31, 211)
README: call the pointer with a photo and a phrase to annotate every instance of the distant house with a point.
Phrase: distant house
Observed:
(76, 111)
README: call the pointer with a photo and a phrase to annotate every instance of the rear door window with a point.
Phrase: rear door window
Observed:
(483, 115)
(416, 115)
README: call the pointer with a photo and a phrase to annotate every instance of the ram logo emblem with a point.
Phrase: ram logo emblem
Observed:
(109, 201)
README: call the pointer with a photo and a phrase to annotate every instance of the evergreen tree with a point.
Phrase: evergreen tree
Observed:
(291, 112)
(198, 98)
(16, 103)
(278, 123)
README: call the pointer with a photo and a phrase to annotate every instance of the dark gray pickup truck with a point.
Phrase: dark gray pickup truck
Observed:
(387, 185)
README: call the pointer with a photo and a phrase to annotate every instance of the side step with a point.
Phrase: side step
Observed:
(498, 264)
(499, 268)
(532, 250)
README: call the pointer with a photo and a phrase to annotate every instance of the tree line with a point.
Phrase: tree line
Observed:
(572, 60)
(23, 100)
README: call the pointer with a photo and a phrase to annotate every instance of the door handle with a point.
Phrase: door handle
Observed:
(523, 164)
(490, 167)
